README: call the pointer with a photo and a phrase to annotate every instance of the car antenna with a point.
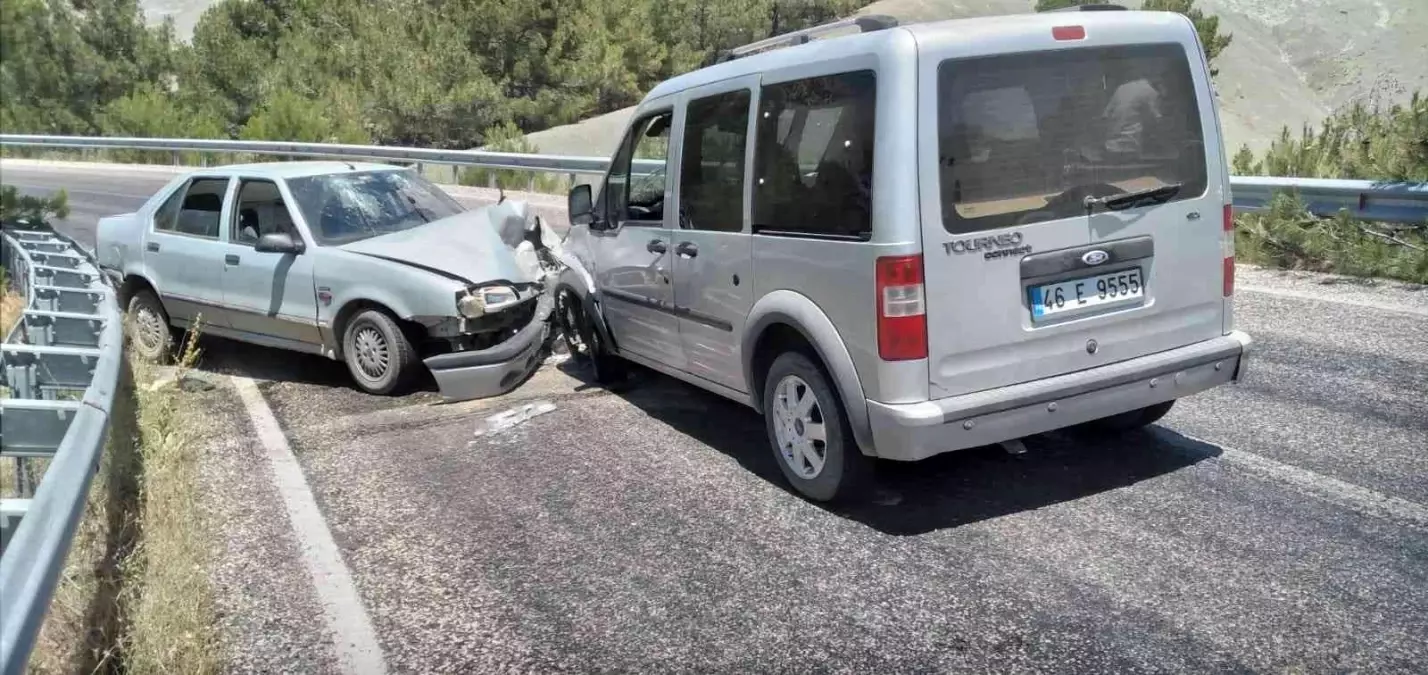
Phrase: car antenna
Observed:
(349, 165)
(501, 192)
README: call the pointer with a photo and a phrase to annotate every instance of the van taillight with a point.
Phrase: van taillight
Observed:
(1228, 245)
(1069, 32)
(902, 310)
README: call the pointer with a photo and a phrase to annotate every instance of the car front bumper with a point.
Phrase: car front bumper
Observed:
(913, 431)
(490, 372)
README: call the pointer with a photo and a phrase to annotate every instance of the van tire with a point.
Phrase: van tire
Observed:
(378, 354)
(844, 471)
(583, 339)
(151, 334)
(1129, 421)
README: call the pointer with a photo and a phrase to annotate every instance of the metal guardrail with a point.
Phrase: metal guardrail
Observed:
(1384, 201)
(1369, 200)
(61, 368)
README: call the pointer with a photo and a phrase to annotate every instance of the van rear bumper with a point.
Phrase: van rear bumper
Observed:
(914, 431)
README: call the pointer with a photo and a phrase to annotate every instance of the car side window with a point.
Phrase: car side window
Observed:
(711, 173)
(166, 215)
(259, 210)
(202, 208)
(635, 189)
(813, 158)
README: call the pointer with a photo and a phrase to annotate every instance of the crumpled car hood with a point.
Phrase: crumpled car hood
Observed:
(477, 246)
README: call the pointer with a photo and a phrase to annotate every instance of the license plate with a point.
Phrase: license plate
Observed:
(1074, 295)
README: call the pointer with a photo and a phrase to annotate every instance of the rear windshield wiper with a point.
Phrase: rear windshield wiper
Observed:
(1120, 202)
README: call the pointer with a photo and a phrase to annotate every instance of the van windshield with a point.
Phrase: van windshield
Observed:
(1026, 138)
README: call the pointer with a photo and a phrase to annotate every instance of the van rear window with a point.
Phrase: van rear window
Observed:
(1025, 138)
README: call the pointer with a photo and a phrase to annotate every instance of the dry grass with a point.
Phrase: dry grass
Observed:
(171, 619)
(135, 596)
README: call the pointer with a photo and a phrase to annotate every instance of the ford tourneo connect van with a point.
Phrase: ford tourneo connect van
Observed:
(906, 240)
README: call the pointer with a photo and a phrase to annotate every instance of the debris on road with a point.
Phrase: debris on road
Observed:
(510, 418)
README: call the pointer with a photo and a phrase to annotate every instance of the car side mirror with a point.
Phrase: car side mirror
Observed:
(581, 206)
(278, 242)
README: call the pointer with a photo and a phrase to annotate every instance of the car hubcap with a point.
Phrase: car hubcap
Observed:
(373, 355)
(798, 426)
(150, 328)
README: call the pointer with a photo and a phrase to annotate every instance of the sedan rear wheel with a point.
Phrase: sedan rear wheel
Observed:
(152, 338)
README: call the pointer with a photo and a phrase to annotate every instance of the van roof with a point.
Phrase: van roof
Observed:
(929, 32)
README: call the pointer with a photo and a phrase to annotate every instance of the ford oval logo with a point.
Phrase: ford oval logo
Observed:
(1095, 257)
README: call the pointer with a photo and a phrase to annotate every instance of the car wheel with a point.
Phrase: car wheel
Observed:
(152, 338)
(809, 433)
(377, 352)
(583, 339)
(1129, 421)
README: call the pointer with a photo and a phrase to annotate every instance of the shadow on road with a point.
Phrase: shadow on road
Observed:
(944, 491)
(229, 357)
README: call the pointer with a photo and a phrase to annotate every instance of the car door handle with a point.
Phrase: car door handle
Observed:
(153, 246)
(656, 246)
(687, 249)
(230, 259)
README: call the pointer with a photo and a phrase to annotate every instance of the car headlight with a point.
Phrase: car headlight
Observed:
(480, 301)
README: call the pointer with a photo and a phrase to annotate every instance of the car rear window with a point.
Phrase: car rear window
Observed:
(1025, 138)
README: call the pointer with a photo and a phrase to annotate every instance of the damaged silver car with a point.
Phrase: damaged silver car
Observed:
(367, 263)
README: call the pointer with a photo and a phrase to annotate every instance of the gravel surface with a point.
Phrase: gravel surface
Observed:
(269, 617)
(1279, 525)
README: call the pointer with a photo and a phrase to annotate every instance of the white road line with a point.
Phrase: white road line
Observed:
(1302, 295)
(1358, 498)
(358, 651)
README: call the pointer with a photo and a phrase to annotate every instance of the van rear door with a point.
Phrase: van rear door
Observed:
(1072, 209)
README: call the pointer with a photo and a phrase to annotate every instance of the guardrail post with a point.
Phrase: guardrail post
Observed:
(178, 159)
(530, 183)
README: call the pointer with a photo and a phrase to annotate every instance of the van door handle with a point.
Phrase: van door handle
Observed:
(230, 259)
(656, 246)
(153, 246)
(687, 249)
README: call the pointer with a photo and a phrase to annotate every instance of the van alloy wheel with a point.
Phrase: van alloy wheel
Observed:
(798, 425)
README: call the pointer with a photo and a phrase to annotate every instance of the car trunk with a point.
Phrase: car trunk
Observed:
(1041, 260)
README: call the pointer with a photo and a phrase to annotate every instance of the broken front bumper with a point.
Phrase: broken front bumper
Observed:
(491, 372)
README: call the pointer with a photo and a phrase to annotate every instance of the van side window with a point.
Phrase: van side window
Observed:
(166, 216)
(813, 161)
(635, 188)
(711, 174)
(202, 208)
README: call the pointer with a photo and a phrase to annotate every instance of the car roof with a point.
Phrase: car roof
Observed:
(284, 170)
(922, 32)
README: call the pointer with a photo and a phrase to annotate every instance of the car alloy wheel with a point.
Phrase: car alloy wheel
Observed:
(374, 355)
(799, 427)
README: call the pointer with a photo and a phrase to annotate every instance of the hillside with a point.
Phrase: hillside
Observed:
(1291, 62)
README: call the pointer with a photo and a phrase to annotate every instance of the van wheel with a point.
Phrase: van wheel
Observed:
(583, 339)
(377, 352)
(809, 432)
(1129, 421)
(152, 338)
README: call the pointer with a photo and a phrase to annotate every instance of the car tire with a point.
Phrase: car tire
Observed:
(836, 471)
(584, 340)
(150, 333)
(1129, 421)
(377, 352)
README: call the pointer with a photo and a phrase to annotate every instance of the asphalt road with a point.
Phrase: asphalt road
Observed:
(1279, 525)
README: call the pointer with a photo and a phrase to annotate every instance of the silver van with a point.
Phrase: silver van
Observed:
(920, 238)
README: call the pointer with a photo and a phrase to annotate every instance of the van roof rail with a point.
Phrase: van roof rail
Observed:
(1092, 7)
(865, 24)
